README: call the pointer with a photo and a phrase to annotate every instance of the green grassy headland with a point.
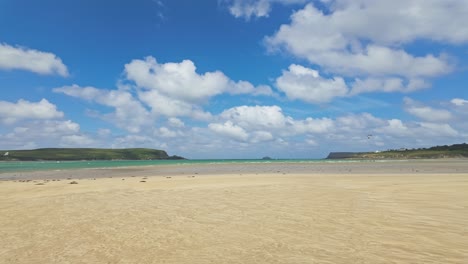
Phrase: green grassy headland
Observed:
(84, 154)
(452, 151)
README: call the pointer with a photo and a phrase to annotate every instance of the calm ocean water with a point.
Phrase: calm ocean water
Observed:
(65, 165)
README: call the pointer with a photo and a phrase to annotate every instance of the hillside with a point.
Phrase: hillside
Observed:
(452, 151)
(84, 154)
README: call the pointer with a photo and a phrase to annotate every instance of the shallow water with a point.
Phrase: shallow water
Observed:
(18, 166)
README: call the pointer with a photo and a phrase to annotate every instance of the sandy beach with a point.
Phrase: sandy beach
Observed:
(363, 212)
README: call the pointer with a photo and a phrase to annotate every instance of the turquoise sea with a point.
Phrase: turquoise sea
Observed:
(17, 166)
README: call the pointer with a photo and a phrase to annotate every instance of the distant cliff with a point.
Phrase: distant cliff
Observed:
(452, 151)
(85, 154)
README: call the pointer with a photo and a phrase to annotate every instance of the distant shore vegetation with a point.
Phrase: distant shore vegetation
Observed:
(445, 151)
(69, 154)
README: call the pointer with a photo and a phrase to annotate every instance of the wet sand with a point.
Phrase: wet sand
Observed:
(312, 168)
(393, 212)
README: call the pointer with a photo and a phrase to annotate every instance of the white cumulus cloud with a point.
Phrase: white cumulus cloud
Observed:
(77, 140)
(176, 89)
(437, 129)
(388, 84)
(181, 81)
(459, 102)
(176, 80)
(265, 123)
(367, 41)
(306, 84)
(340, 43)
(44, 133)
(128, 113)
(425, 112)
(251, 124)
(169, 106)
(360, 132)
(175, 122)
(261, 136)
(229, 129)
(313, 126)
(22, 110)
(257, 117)
(19, 58)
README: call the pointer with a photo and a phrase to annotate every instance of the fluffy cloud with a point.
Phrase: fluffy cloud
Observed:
(394, 127)
(248, 122)
(339, 41)
(176, 89)
(249, 8)
(364, 122)
(254, 126)
(395, 133)
(401, 21)
(437, 130)
(129, 113)
(336, 35)
(460, 109)
(180, 81)
(38, 124)
(459, 102)
(313, 126)
(229, 129)
(151, 89)
(389, 84)
(250, 128)
(426, 132)
(261, 136)
(44, 133)
(130, 141)
(255, 8)
(77, 141)
(305, 84)
(425, 112)
(257, 117)
(175, 122)
(22, 110)
(171, 107)
(176, 80)
(265, 123)
(393, 22)
(13, 58)
(166, 133)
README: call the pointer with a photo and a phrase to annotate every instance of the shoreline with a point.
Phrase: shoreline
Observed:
(439, 166)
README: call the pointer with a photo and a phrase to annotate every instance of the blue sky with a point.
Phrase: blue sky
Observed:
(234, 78)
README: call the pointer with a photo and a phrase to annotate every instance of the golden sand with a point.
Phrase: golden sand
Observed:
(249, 218)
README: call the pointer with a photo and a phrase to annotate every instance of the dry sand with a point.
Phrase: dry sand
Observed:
(363, 213)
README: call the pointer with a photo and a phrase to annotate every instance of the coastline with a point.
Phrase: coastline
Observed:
(288, 167)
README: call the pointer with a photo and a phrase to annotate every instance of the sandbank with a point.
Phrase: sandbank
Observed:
(363, 212)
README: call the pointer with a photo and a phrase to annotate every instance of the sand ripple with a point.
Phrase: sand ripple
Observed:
(237, 219)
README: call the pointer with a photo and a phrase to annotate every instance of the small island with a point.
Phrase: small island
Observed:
(69, 154)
